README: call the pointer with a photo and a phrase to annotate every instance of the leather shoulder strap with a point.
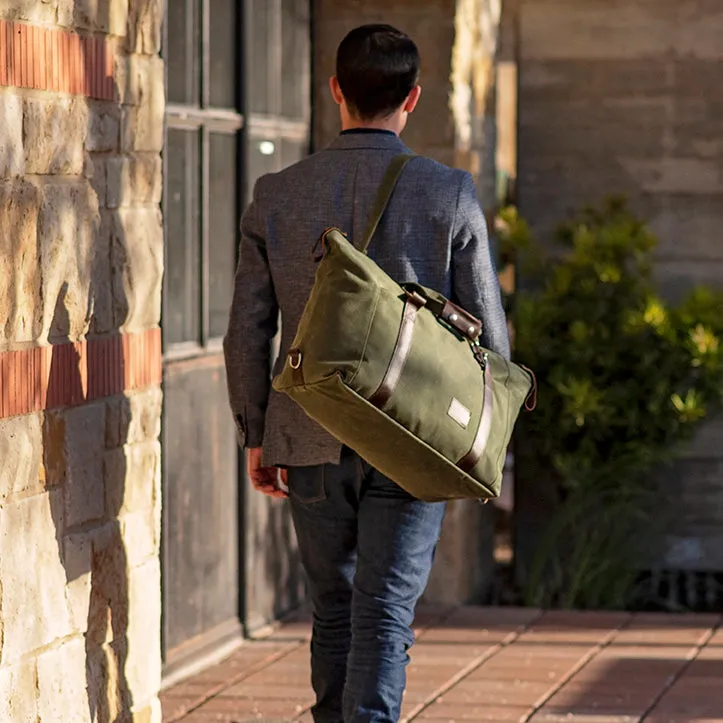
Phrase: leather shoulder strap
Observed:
(386, 188)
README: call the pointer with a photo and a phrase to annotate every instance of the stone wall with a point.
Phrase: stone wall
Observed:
(625, 96)
(81, 259)
(453, 125)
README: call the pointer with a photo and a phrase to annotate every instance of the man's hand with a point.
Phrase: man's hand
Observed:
(265, 479)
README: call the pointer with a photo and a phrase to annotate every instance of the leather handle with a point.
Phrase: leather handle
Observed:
(466, 324)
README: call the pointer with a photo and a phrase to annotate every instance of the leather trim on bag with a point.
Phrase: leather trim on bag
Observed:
(412, 304)
(461, 320)
(468, 462)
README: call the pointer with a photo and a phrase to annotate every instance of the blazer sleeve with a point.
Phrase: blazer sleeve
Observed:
(253, 322)
(474, 277)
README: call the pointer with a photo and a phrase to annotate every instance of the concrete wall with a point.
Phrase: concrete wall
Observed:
(451, 124)
(81, 259)
(626, 96)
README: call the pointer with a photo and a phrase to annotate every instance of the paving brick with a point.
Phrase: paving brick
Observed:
(454, 712)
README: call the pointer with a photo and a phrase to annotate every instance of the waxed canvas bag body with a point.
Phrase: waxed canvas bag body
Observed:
(396, 373)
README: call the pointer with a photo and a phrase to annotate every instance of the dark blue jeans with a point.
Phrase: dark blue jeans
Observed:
(367, 547)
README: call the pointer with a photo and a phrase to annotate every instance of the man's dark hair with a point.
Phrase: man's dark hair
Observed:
(377, 66)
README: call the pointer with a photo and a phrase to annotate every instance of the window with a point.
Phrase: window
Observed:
(279, 85)
(207, 44)
(201, 157)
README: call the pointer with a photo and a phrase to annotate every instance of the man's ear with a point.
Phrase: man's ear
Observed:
(335, 88)
(412, 99)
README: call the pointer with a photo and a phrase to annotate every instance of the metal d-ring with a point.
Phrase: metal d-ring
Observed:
(295, 359)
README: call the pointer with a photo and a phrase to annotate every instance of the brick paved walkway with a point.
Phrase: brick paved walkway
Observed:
(494, 664)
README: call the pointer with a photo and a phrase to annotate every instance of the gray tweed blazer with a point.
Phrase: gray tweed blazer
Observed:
(433, 233)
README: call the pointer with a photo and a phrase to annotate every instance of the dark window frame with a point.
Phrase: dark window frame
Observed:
(249, 128)
(205, 119)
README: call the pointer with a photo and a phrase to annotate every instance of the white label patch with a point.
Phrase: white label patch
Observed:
(459, 413)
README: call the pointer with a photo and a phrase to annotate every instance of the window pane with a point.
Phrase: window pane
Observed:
(223, 60)
(259, 78)
(182, 51)
(295, 62)
(264, 157)
(222, 227)
(181, 315)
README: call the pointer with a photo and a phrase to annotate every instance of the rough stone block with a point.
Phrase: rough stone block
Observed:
(94, 170)
(132, 478)
(108, 692)
(144, 27)
(137, 262)
(141, 537)
(143, 666)
(21, 456)
(102, 319)
(136, 180)
(67, 231)
(62, 694)
(103, 126)
(12, 156)
(20, 279)
(29, 11)
(142, 125)
(142, 421)
(18, 692)
(84, 447)
(34, 609)
(127, 79)
(55, 129)
(77, 558)
(149, 714)
(108, 608)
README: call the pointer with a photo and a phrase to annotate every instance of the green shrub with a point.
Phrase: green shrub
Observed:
(624, 379)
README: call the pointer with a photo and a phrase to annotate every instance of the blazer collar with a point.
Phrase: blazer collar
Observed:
(358, 141)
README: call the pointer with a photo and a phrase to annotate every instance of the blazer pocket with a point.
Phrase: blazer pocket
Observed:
(307, 484)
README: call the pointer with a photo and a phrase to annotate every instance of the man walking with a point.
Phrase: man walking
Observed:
(366, 545)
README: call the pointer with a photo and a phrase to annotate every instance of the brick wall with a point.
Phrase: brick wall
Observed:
(625, 96)
(81, 259)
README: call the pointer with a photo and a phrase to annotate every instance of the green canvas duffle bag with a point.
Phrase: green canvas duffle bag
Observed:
(396, 373)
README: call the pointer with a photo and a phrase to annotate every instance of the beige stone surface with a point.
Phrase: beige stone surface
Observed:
(30, 11)
(84, 488)
(142, 421)
(62, 694)
(77, 560)
(68, 225)
(145, 21)
(143, 665)
(142, 125)
(103, 126)
(18, 693)
(55, 129)
(12, 157)
(132, 476)
(137, 260)
(141, 537)
(134, 180)
(34, 608)
(20, 280)
(21, 456)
